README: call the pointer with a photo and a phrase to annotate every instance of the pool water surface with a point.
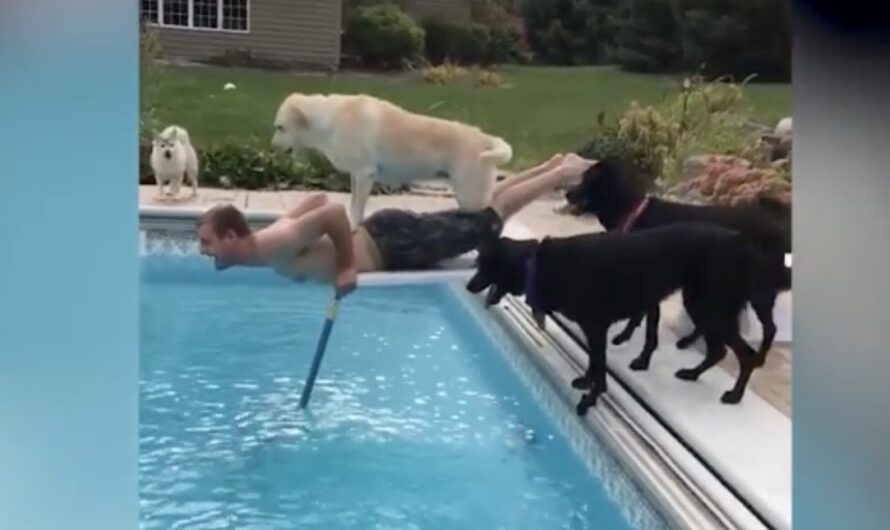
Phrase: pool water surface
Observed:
(417, 419)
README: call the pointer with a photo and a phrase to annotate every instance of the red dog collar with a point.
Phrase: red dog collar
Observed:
(634, 215)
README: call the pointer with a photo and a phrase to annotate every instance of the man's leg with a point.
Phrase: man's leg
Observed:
(310, 203)
(525, 175)
(518, 196)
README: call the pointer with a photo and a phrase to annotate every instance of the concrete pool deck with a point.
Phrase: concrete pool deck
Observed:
(772, 382)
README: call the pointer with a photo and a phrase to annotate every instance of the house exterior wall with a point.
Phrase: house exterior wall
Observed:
(285, 32)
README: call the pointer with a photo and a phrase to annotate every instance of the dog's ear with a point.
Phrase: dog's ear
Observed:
(298, 117)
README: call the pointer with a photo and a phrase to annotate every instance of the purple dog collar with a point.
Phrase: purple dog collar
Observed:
(532, 295)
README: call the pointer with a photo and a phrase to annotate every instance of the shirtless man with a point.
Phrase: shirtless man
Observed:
(314, 239)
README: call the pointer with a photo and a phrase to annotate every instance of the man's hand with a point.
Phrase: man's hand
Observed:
(345, 281)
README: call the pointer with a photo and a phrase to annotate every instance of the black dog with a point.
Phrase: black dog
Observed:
(606, 192)
(598, 279)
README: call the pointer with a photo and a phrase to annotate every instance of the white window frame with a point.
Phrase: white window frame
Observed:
(191, 22)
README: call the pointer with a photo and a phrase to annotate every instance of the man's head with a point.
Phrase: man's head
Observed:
(221, 231)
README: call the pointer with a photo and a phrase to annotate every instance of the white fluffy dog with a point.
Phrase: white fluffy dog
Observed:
(174, 161)
(783, 128)
(376, 141)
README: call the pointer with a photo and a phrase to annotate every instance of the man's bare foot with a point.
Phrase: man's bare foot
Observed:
(574, 166)
(554, 162)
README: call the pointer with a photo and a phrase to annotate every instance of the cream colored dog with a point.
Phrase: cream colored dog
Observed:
(376, 141)
(174, 161)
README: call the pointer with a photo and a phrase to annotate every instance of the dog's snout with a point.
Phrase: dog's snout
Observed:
(168, 155)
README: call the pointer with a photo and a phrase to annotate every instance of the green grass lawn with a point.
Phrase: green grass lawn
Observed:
(539, 110)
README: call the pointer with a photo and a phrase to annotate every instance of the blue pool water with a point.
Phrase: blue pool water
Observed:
(417, 419)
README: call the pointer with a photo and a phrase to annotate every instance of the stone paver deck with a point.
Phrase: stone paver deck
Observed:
(772, 382)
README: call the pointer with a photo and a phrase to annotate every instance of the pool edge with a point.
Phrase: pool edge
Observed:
(674, 480)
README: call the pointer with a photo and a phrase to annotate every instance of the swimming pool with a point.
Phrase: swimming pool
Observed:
(423, 416)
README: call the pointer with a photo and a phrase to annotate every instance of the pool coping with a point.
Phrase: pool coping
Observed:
(756, 465)
(684, 487)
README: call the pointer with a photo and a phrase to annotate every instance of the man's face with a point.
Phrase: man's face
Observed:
(221, 249)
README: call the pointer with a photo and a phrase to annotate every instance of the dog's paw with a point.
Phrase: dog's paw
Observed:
(730, 397)
(587, 401)
(581, 408)
(640, 363)
(581, 383)
(687, 374)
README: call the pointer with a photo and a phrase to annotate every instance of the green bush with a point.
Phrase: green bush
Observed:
(569, 31)
(607, 143)
(256, 167)
(382, 35)
(253, 167)
(504, 46)
(150, 81)
(454, 42)
(652, 143)
(664, 36)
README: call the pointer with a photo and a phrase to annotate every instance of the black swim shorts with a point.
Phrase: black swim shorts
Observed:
(410, 241)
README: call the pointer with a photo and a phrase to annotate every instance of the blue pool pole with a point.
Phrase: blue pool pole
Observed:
(319, 351)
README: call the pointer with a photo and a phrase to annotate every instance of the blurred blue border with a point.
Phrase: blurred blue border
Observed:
(68, 279)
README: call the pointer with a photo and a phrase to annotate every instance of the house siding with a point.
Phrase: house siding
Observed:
(455, 10)
(285, 32)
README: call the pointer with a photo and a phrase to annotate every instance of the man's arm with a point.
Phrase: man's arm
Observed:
(289, 237)
(316, 200)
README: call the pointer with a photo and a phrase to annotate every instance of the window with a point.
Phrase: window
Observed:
(218, 15)
(148, 11)
(207, 14)
(235, 15)
(175, 12)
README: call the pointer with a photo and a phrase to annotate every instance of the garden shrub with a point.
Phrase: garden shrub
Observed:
(149, 80)
(664, 36)
(254, 166)
(488, 78)
(456, 42)
(504, 45)
(607, 143)
(382, 35)
(508, 42)
(730, 180)
(653, 143)
(446, 73)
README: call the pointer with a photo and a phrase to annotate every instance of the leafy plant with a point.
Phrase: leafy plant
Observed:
(456, 42)
(705, 117)
(731, 180)
(255, 167)
(150, 76)
(383, 35)
(444, 74)
(488, 78)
